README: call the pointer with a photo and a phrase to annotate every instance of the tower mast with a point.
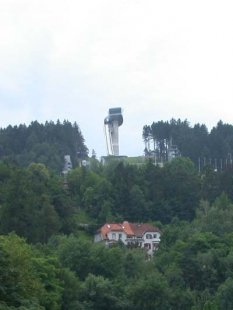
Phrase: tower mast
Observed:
(112, 123)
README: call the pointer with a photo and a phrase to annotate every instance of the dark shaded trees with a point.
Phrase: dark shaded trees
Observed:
(181, 189)
(214, 148)
(19, 283)
(42, 143)
(30, 205)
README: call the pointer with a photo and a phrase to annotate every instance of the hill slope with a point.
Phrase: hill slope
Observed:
(42, 143)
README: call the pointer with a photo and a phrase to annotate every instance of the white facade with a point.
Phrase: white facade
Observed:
(67, 164)
(111, 237)
(149, 240)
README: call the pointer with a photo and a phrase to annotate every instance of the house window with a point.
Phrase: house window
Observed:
(155, 246)
(147, 246)
(113, 236)
(120, 236)
(155, 235)
(148, 236)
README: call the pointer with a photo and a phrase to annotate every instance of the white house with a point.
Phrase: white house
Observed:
(131, 234)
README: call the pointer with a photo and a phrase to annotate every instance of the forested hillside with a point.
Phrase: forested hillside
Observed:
(57, 266)
(48, 259)
(214, 148)
(42, 143)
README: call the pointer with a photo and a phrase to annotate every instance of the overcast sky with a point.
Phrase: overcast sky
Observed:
(75, 59)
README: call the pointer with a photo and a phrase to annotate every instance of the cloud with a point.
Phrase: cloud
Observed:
(76, 59)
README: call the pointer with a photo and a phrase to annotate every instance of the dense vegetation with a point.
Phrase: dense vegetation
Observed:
(42, 143)
(213, 148)
(48, 259)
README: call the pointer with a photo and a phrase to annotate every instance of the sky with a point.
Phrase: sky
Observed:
(75, 59)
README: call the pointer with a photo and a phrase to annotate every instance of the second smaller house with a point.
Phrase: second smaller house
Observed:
(131, 234)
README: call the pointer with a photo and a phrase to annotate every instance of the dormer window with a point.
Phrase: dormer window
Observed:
(148, 236)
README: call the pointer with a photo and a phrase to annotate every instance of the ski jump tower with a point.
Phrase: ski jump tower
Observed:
(111, 124)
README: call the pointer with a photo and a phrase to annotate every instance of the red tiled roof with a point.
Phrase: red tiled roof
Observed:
(104, 230)
(130, 229)
(127, 228)
(141, 229)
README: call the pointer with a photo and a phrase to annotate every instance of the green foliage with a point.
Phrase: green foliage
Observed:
(191, 270)
(19, 282)
(225, 295)
(42, 143)
(193, 142)
(150, 292)
(74, 253)
(27, 207)
(47, 268)
(217, 217)
(64, 269)
(100, 294)
(71, 291)
(182, 189)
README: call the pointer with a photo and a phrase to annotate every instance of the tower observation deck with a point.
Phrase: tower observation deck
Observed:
(111, 123)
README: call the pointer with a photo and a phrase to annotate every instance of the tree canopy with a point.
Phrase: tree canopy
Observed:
(42, 143)
(48, 260)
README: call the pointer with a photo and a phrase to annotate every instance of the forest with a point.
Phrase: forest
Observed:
(42, 143)
(204, 148)
(47, 256)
